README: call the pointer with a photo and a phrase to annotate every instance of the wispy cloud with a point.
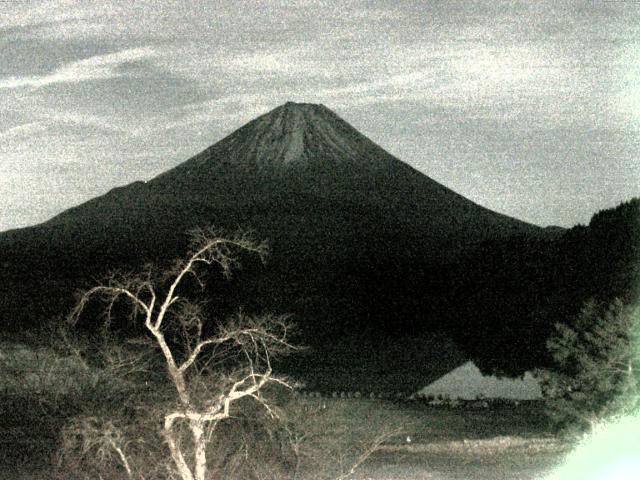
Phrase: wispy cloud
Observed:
(85, 120)
(17, 14)
(92, 68)
(24, 130)
(456, 76)
(232, 109)
(264, 62)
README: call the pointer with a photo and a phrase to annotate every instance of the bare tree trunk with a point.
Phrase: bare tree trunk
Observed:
(200, 448)
(176, 452)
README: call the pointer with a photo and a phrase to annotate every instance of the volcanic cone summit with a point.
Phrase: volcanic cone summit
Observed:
(293, 131)
(294, 135)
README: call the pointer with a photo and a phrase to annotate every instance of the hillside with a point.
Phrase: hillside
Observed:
(366, 251)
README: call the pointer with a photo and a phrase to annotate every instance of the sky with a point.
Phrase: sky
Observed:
(531, 109)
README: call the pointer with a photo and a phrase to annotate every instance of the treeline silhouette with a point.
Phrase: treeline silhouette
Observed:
(498, 299)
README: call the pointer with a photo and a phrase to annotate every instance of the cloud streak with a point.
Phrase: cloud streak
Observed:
(97, 67)
(24, 130)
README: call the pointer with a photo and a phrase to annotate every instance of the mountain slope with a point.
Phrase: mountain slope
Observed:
(308, 150)
(359, 239)
(301, 163)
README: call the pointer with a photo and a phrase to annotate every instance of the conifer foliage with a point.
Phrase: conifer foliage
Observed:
(596, 370)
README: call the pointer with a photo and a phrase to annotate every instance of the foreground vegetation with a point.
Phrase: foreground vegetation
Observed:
(46, 415)
(223, 411)
(596, 371)
(176, 396)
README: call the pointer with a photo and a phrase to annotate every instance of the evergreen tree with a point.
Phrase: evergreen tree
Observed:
(596, 370)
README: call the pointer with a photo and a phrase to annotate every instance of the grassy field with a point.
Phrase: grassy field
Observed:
(503, 442)
(445, 444)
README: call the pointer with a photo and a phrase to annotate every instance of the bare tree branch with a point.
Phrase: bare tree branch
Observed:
(258, 338)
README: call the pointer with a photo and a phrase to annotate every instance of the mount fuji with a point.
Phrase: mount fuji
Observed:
(361, 243)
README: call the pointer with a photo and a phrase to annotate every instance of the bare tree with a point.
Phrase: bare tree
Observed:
(165, 312)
